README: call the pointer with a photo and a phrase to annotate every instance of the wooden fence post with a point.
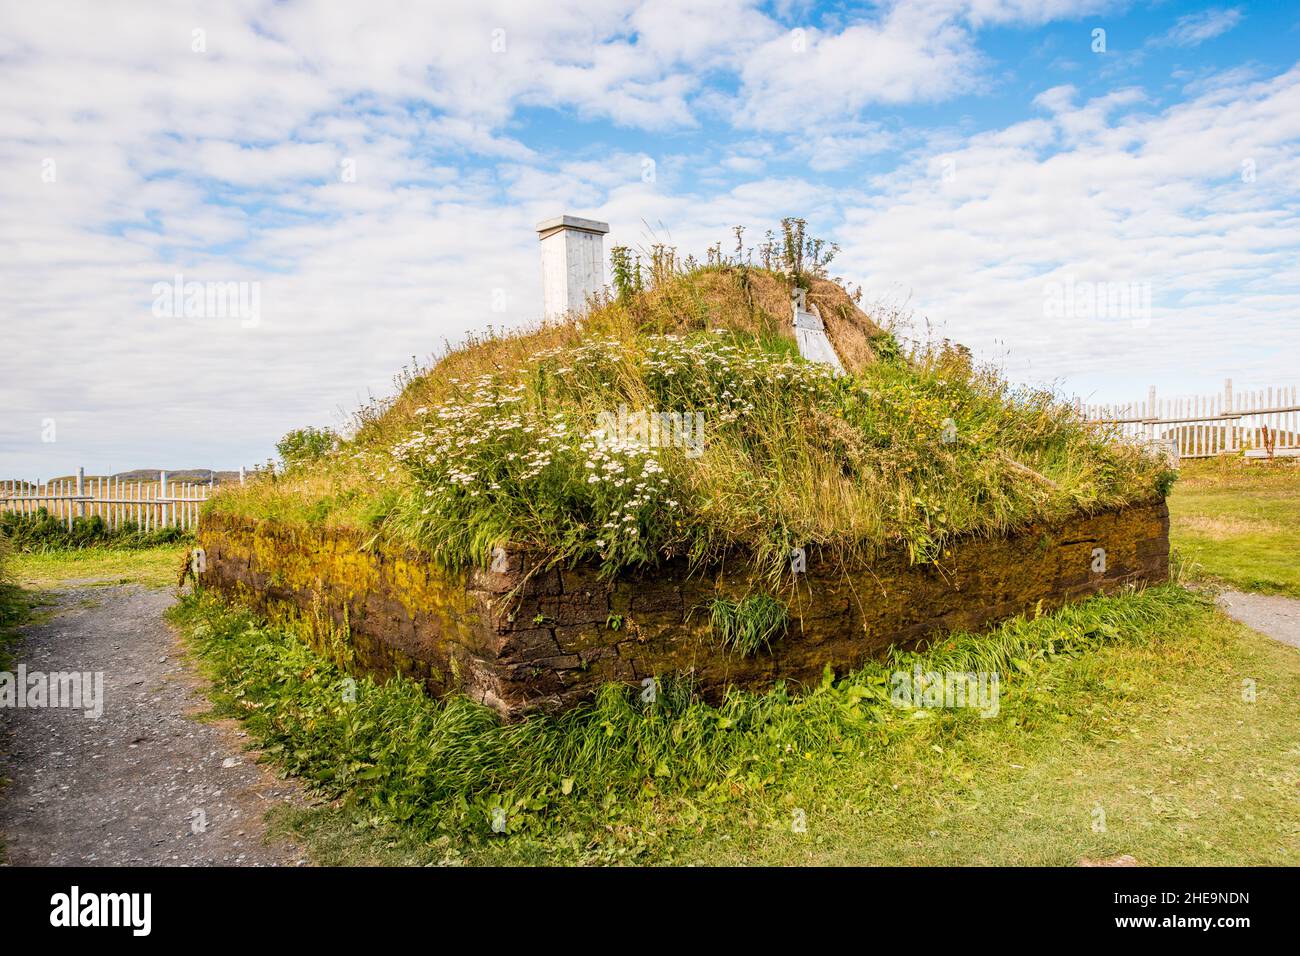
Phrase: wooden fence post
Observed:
(1231, 423)
(164, 508)
(1151, 415)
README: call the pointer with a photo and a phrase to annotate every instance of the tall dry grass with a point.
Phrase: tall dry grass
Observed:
(496, 444)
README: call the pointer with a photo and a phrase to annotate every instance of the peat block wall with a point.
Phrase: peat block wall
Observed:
(522, 641)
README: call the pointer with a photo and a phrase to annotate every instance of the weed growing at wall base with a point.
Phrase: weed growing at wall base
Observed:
(448, 766)
(749, 624)
(920, 690)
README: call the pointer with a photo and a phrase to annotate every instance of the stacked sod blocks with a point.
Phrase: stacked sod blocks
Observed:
(522, 638)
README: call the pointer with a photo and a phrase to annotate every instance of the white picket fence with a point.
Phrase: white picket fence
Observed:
(1202, 426)
(149, 505)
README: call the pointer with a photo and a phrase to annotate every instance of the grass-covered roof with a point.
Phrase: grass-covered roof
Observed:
(522, 440)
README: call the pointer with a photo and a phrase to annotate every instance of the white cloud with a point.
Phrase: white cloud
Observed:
(840, 148)
(224, 165)
(1103, 194)
(913, 50)
(1195, 28)
(796, 81)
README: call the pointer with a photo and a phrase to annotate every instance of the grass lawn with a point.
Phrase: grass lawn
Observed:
(1123, 728)
(1239, 524)
(154, 567)
(1183, 772)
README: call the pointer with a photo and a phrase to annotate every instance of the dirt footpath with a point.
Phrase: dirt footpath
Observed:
(1274, 615)
(145, 783)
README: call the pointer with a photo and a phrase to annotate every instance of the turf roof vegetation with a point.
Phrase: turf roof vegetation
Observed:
(507, 441)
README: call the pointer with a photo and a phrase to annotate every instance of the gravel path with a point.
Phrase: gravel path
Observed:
(145, 783)
(1271, 614)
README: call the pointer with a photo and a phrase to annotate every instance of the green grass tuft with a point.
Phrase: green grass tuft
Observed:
(746, 625)
(446, 766)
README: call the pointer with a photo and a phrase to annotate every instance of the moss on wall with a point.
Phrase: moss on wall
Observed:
(519, 638)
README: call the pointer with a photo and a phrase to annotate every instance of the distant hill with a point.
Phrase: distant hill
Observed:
(190, 475)
(194, 475)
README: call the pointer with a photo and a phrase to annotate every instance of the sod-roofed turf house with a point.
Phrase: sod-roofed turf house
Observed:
(663, 483)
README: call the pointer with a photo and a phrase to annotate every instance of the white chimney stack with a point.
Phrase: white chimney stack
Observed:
(573, 263)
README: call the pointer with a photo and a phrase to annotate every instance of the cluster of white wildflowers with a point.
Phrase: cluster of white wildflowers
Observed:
(628, 481)
(594, 361)
(479, 440)
(377, 464)
(487, 446)
(497, 444)
(724, 379)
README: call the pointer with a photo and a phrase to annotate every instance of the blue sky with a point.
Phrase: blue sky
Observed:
(971, 157)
